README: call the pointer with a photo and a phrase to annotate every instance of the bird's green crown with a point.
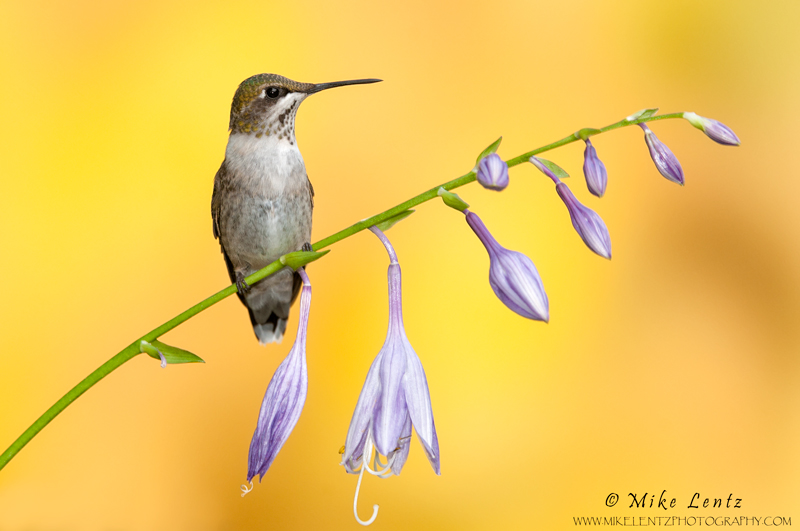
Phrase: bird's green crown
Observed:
(251, 87)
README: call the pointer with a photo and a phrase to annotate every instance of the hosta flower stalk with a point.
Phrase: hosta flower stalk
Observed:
(395, 398)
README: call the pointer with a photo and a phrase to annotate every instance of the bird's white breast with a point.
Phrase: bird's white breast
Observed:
(267, 211)
(270, 165)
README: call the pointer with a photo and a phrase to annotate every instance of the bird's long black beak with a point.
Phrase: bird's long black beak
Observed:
(324, 86)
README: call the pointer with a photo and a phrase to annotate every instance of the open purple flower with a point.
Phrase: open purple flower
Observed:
(716, 131)
(586, 222)
(394, 398)
(512, 275)
(493, 172)
(663, 158)
(594, 170)
(284, 399)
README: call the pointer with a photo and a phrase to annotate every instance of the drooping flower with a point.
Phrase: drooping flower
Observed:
(586, 222)
(716, 131)
(663, 158)
(394, 398)
(493, 172)
(589, 226)
(284, 399)
(594, 170)
(512, 275)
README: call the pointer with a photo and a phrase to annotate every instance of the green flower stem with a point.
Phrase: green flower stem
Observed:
(574, 138)
(468, 178)
(133, 349)
(126, 354)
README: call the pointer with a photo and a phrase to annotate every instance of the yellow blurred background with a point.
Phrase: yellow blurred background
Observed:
(673, 367)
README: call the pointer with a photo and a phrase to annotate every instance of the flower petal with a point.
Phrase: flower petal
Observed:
(391, 411)
(433, 454)
(359, 424)
(420, 410)
(283, 401)
(398, 457)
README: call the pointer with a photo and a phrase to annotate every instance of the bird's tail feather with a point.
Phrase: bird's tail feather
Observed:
(270, 332)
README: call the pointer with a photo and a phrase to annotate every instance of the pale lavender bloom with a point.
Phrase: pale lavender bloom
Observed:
(665, 161)
(716, 131)
(284, 399)
(512, 275)
(587, 223)
(493, 172)
(594, 170)
(394, 398)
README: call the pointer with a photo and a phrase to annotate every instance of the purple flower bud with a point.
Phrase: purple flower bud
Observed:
(394, 398)
(493, 172)
(716, 131)
(512, 275)
(284, 399)
(594, 170)
(589, 225)
(665, 161)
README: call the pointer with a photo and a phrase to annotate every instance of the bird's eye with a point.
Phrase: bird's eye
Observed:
(272, 92)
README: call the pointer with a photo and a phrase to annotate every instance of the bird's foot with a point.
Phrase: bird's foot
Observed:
(241, 285)
(307, 247)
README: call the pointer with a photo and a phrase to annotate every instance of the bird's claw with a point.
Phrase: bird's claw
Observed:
(307, 247)
(241, 285)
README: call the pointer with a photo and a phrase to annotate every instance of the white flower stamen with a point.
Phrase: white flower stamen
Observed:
(246, 489)
(355, 502)
(369, 450)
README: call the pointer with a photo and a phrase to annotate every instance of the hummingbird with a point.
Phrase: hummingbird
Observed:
(262, 201)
